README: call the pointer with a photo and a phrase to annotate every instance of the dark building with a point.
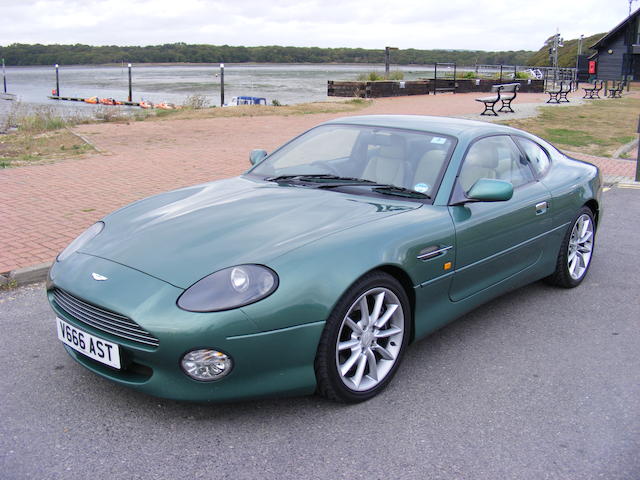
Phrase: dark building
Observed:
(617, 54)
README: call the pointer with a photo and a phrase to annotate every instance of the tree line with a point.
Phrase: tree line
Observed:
(19, 54)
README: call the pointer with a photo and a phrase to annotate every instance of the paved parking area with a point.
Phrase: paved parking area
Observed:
(43, 207)
(540, 384)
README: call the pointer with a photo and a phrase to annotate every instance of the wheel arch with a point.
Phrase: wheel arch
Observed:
(403, 277)
(595, 209)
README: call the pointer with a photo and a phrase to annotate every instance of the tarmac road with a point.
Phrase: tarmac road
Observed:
(539, 384)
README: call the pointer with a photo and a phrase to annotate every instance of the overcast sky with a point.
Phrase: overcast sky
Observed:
(421, 24)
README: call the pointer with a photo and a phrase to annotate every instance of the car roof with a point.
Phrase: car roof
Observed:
(456, 127)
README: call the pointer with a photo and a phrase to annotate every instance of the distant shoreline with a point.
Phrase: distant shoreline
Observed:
(217, 64)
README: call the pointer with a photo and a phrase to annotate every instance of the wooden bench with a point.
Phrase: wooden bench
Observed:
(616, 91)
(508, 95)
(559, 94)
(489, 102)
(593, 92)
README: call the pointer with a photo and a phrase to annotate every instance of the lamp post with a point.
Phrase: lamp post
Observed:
(638, 158)
(578, 57)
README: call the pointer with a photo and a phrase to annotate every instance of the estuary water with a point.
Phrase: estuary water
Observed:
(286, 83)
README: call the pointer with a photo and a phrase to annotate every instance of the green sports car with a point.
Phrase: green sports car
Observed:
(314, 270)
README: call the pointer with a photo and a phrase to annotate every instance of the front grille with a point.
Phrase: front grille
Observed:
(103, 320)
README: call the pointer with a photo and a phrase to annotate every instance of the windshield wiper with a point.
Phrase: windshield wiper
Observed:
(334, 181)
(399, 191)
(319, 177)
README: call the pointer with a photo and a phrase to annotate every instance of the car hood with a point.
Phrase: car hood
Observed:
(184, 235)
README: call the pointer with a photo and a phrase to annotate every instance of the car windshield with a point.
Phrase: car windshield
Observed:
(353, 154)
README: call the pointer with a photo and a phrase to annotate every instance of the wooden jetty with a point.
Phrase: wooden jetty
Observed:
(78, 99)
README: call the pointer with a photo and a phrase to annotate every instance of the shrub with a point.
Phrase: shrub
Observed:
(370, 77)
(377, 77)
(396, 75)
(196, 102)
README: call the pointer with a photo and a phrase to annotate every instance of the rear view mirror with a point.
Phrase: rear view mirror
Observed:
(489, 190)
(256, 156)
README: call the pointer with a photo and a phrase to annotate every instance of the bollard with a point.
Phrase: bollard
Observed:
(130, 92)
(222, 84)
(57, 82)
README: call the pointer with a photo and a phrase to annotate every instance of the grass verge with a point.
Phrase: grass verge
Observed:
(598, 128)
(40, 135)
(37, 136)
(259, 111)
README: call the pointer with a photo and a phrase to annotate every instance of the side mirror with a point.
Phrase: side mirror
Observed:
(488, 190)
(256, 156)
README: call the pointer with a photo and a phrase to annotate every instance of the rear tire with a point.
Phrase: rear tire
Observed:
(576, 251)
(364, 340)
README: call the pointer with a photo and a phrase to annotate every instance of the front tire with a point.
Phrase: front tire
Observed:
(364, 339)
(576, 251)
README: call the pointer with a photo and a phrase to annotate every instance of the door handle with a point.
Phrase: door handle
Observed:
(541, 208)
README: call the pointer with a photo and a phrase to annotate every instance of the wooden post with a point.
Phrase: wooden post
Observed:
(130, 90)
(435, 77)
(222, 84)
(57, 82)
(387, 60)
(500, 81)
(4, 77)
(387, 54)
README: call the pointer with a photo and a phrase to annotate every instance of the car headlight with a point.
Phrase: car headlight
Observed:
(230, 288)
(80, 241)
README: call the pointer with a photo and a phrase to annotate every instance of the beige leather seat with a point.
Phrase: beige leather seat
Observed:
(481, 162)
(387, 166)
(428, 168)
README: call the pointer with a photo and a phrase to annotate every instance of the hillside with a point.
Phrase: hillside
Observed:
(566, 54)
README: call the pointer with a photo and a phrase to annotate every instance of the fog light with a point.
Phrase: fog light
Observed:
(206, 364)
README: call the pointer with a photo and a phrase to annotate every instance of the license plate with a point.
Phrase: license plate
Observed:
(93, 347)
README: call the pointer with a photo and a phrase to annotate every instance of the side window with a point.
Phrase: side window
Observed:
(495, 157)
(536, 155)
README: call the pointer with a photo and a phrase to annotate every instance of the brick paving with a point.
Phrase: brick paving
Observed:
(43, 207)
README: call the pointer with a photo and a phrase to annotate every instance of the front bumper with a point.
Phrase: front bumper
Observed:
(276, 362)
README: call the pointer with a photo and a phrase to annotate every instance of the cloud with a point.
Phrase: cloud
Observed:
(460, 24)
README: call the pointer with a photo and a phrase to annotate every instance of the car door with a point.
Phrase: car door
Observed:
(496, 241)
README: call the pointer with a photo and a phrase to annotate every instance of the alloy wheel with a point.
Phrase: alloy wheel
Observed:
(370, 339)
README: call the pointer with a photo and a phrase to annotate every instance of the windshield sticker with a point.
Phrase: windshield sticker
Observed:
(438, 140)
(421, 187)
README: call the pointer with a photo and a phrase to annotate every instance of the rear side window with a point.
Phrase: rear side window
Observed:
(537, 156)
